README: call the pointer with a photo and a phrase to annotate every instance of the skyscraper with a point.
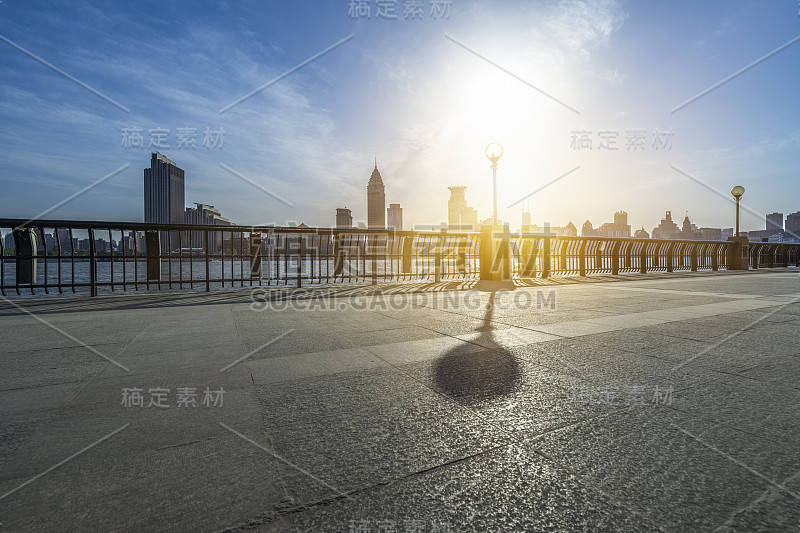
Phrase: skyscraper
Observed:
(394, 217)
(344, 219)
(163, 191)
(455, 205)
(793, 224)
(774, 223)
(164, 198)
(376, 201)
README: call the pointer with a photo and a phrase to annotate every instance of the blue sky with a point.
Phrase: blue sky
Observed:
(404, 92)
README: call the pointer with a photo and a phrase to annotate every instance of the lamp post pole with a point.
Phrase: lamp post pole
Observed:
(493, 153)
(737, 193)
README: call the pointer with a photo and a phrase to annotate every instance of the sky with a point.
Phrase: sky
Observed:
(289, 104)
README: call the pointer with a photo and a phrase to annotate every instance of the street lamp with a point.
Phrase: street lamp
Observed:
(737, 193)
(493, 152)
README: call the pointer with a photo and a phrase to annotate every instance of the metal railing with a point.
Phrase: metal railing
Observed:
(543, 256)
(80, 257)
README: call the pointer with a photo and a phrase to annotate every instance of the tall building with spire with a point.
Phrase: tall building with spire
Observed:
(376, 200)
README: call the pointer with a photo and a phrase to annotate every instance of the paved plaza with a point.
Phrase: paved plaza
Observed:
(663, 402)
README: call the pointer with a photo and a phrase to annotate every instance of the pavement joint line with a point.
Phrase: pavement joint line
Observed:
(734, 460)
(735, 333)
(266, 518)
(64, 333)
(688, 293)
(276, 339)
(74, 455)
(285, 461)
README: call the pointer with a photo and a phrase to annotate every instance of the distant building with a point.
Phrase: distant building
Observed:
(163, 191)
(667, 228)
(567, 231)
(726, 232)
(793, 223)
(394, 217)
(469, 218)
(344, 218)
(618, 228)
(459, 214)
(757, 235)
(205, 215)
(774, 223)
(376, 200)
(164, 197)
(711, 234)
(587, 230)
(689, 231)
(641, 234)
(456, 203)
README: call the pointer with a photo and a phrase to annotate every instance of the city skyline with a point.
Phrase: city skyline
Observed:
(305, 137)
(164, 186)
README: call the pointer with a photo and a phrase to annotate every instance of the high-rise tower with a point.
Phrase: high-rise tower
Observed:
(394, 217)
(164, 198)
(376, 201)
(163, 191)
(455, 205)
(344, 218)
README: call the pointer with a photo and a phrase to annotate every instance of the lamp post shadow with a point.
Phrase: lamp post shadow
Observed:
(474, 377)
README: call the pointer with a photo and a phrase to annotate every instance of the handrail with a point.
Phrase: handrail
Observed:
(75, 256)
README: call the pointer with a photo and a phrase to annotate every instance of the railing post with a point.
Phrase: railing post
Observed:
(495, 255)
(643, 258)
(756, 255)
(461, 257)
(208, 267)
(598, 256)
(546, 257)
(374, 251)
(615, 258)
(715, 257)
(92, 264)
(738, 254)
(408, 246)
(527, 258)
(694, 256)
(670, 253)
(25, 252)
(338, 255)
(299, 261)
(152, 241)
(437, 260)
(582, 258)
(255, 255)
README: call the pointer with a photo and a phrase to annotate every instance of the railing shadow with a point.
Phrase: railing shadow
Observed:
(475, 377)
